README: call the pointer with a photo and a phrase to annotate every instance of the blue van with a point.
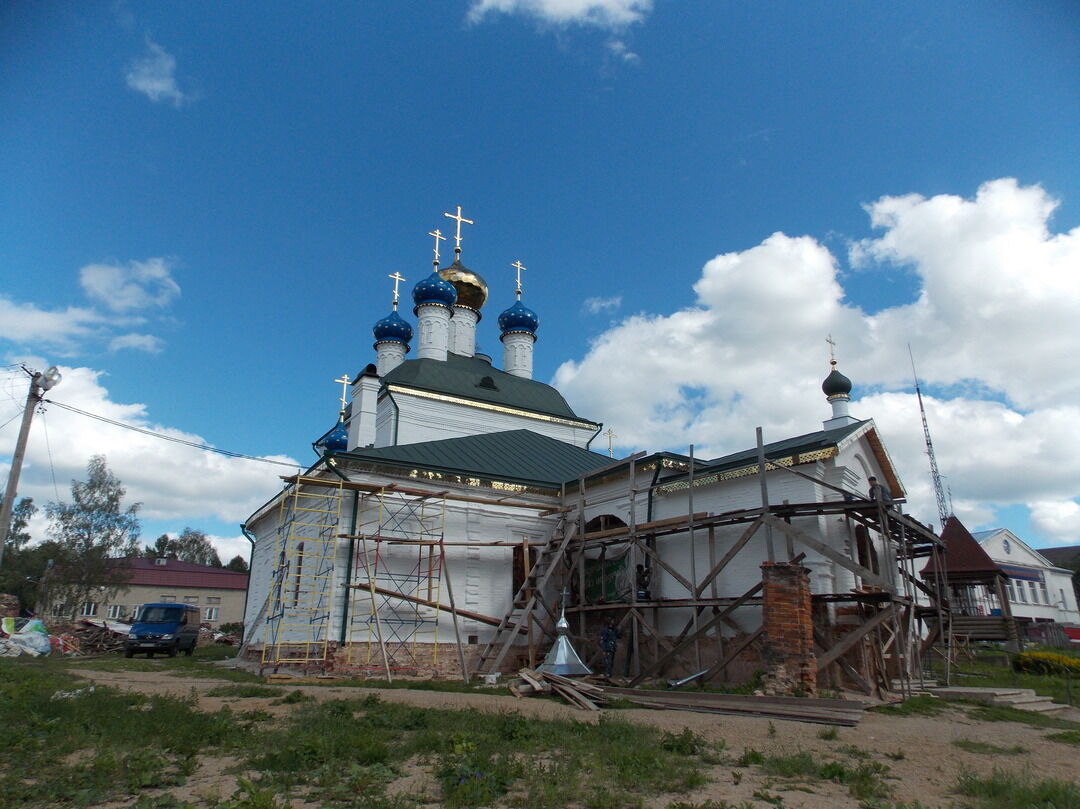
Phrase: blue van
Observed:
(166, 627)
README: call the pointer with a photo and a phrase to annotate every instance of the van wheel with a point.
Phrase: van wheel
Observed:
(173, 648)
(190, 650)
(129, 652)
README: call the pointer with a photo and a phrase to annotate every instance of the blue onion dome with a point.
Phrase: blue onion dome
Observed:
(434, 289)
(836, 384)
(392, 328)
(472, 289)
(518, 318)
(337, 440)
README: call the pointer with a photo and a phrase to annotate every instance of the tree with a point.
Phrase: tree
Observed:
(91, 532)
(18, 536)
(191, 546)
(237, 563)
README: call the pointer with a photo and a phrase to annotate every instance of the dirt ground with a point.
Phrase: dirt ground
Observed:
(923, 761)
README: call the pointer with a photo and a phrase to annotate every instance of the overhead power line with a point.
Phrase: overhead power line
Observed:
(174, 439)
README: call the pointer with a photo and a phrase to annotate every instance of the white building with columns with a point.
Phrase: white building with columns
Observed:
(509, 460)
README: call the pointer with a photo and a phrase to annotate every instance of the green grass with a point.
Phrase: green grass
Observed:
(1004, 790)
(70, 744)
(1066, 736)
(90, 745)
(973, 746)
(244, 690)
(920, 705)
(865, 781)
(1005, 713)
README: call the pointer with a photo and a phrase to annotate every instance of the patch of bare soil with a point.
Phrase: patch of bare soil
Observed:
(923, 762)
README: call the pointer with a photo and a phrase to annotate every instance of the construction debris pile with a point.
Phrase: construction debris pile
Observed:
(591, 696)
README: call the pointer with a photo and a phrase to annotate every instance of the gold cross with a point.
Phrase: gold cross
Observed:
(438, 237)
(519, 267)
(397, 278)
(610, 436)
(832, 349)
(344, 381)
(457, 235)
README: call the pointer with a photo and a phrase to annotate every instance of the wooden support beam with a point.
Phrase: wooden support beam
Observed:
(656, 558)
(853, 637)
(733, 652)
(472, 616)
(826, 551)
(732, 551)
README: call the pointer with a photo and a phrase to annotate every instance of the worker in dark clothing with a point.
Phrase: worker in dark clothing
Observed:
(879, 492)
(609, 643)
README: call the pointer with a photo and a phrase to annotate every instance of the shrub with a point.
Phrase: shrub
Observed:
(1046, 663)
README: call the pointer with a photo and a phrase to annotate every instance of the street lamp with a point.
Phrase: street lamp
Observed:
(39, 383)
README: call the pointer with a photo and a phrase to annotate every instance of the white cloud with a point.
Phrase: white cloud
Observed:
(173, 482)
(138, 342)
(62, 329)
(619, 49)
(126, 288)
(125, 291)
(596, 305)
(1058, 519)
(611, 14)
(154, 75)
(992, 328)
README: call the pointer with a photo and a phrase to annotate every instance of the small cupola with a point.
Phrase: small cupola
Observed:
(837, 390)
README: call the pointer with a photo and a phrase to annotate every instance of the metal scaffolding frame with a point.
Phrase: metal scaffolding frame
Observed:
(398, 571)
(297, 609)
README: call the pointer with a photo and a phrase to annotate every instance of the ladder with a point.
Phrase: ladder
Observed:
(527, 597)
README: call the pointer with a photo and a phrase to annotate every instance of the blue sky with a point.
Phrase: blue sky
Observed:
(201, 203)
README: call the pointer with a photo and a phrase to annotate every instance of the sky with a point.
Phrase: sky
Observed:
(201, 202)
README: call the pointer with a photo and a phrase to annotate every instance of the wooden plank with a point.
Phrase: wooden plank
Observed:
(474, 616)
(847, 668)
(853, 637)
(672, 571)
(738, 546)
(733, 652)
(371, 488)
(825, 550)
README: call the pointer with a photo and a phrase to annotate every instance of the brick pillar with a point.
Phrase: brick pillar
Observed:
(788, 655)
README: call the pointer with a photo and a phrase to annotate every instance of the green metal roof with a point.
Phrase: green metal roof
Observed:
(477, 379)
(513, 456)
(798, 445)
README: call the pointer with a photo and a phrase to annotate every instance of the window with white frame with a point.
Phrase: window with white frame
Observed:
(1009, 589)
(117, 611)
(1044, 592)
(89, 609)
(213, 600)
(210, 613)
(59, 610)
(1021, 594)
(1034, 592)
(191, 599)
(168, 598)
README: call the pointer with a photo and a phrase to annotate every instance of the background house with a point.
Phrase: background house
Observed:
(219, 593)
(1038, 590)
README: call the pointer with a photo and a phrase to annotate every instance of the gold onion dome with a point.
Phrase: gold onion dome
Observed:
(472, 289)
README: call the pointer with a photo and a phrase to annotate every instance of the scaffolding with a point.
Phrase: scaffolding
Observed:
(297, 609)
(879, 652)
(398, 571)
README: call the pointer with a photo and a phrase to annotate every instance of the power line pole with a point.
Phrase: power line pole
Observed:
(935, 476)
(39, 383)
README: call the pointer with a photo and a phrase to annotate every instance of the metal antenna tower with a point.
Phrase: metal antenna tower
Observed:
(935, 475)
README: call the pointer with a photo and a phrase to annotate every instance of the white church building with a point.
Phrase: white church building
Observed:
(457, 507)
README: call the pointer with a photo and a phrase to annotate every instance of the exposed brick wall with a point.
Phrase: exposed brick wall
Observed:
(788, 653)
